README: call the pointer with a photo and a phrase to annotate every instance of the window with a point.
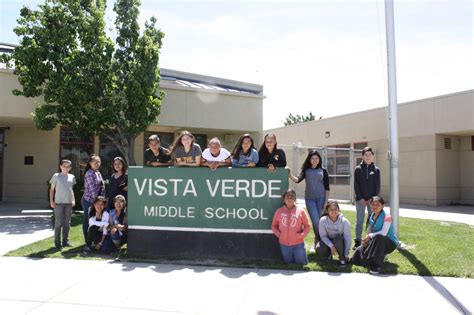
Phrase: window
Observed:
(201, 140)
(338, 163)
(447, 143)
(108, 152)
(77, 149)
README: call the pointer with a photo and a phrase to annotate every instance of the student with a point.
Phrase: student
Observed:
(335, 233)
(61, 199)
(269, 155)
(244, 153)
(118, 225)
(366, 185)
(290, 225)
(379, 241)
(316, 191)
(215, 156)
(93, 186)
(156, 155)
(185, 152)
(118, 181)
(98, 225)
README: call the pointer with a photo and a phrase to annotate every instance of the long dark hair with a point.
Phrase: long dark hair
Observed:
(307, 161)
(124, 164)
(177, 142)
(91, 158)
(263, 148)
(93, 212)
(238, 146)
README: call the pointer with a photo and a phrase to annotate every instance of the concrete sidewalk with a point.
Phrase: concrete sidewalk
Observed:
(57, 286)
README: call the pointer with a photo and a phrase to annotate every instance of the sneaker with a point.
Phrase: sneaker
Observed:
(357, 243)
(86, 250)
(343, 262)
(312, 250)
(67, 244)
(375, 270)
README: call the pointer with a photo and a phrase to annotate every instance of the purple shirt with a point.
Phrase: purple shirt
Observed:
(93, 185)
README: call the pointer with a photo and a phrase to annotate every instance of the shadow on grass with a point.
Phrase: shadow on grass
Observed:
(435, 284)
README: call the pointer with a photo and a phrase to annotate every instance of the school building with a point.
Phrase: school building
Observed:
(436, 148)
(206, 106)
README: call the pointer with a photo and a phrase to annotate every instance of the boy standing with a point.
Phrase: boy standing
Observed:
(366, 186)
(61, 199)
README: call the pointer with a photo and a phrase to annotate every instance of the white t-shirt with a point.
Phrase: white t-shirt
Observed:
(223, 155)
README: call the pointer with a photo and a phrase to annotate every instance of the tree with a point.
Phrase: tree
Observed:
(88, 82)
(293, 120)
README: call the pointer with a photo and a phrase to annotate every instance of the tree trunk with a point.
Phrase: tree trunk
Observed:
(131, 149)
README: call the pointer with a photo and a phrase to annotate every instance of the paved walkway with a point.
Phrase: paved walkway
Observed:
(51, 286)
(58, 286)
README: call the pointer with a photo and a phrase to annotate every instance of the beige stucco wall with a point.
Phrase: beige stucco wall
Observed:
(197, 109)
(28, 183)
(14, 109)
(428, 173)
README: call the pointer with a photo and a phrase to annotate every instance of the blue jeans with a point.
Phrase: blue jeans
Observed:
(295, 254)
(315, 210)
(85, 223)
(360, 212)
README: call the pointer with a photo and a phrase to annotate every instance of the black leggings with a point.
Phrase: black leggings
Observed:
(374, 253)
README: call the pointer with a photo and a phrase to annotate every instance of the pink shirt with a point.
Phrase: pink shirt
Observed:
(290, 226)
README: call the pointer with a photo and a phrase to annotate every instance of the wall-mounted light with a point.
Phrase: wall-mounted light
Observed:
(327, 134)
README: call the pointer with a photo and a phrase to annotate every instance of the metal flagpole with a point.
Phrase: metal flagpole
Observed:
(393, 113)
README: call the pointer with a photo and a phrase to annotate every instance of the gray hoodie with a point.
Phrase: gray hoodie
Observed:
(329, 229)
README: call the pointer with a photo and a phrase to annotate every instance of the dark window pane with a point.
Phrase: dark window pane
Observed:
(78, 154)
(342, 165)
(201, 140)
(360, 146)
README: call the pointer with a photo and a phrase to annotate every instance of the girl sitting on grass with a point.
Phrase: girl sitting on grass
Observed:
(98, 225)
(118, 225)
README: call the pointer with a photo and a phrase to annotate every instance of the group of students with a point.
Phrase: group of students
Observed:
(185, 152)
(105, 218)
(331, 229)
(105, 215)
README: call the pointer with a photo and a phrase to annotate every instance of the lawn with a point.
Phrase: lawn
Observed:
(434, 248)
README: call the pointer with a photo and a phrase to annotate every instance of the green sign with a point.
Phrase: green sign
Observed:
(197, 199)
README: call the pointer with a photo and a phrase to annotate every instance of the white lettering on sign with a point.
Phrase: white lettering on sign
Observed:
(234, 213)
(169, 212)
(225, 188)
(255, 188)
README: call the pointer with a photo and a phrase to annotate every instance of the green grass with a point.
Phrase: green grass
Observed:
(434, 248)
(45, 248)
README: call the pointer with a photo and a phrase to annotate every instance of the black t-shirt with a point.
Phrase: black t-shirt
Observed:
(162, 157)
(277, 158)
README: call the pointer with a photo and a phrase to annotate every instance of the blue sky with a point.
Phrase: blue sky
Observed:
(327, 57)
